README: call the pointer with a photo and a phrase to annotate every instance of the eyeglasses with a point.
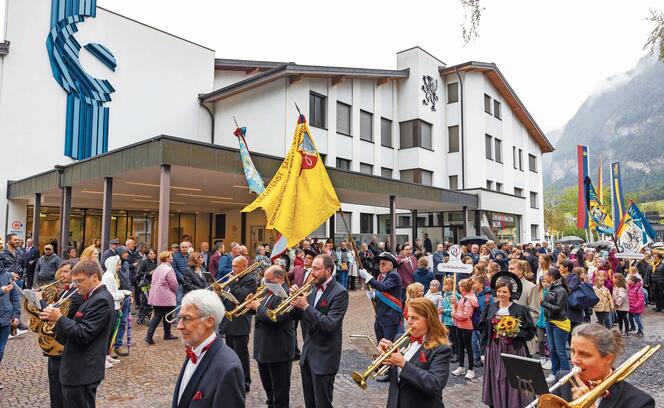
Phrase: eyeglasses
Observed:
(188, 319)
(77, 282)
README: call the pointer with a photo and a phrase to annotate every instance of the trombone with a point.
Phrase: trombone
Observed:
(41, 288)
(377, 367)
(218, 288)
(242, 309)
(285, 306)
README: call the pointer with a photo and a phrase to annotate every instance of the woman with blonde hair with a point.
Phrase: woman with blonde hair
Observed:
(418, 376)
(90, 253)
(413, 291)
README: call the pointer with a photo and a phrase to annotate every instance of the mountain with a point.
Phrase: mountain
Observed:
(623, 121)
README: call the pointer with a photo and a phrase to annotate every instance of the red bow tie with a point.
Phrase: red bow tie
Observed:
(417, 339)
(66, 287)
(86, 297)
(192, 355)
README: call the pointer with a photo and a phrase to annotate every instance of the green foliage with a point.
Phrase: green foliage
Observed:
(655, 43)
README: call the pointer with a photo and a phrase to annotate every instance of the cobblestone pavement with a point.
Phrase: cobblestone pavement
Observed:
(146, 378)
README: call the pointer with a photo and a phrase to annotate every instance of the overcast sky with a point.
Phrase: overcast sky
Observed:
(553, 53)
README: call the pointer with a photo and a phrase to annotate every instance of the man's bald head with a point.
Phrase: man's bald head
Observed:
(239, 264)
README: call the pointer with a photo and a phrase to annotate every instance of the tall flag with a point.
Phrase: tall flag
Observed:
(600, 218)
(634, 231)
(617, 197)
(300, 196)
(582, 207)
(255, 182)
(600, 182)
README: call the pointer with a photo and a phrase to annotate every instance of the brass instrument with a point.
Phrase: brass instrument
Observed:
(219, 289)
(285, 306)
(620, 374)
(575, 370)
(377, 367)
(242, 309)
(45, 335)
(50, 291)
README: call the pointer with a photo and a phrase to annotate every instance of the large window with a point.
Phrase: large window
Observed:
(499, 150)
(343, 164)
(366, 126)
(340, 226)
(453, 139)
(343, 118)
(415, 133)
(532, 163)
(417, 176)
(488, 146)
(366, 223)
(534, 232)
(534, 202)
(453, 92)
(317, 110)
(366, 168)
(454, 182)
(386, 172)
(496, 109)
(386, 132)
(487, 104)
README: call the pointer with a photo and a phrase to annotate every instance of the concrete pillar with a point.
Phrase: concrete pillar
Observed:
(65, 212)
(413, 226)
(164, 206)
(393, 224)
(106, 208)
(36, 220)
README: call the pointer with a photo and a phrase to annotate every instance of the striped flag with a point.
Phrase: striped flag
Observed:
(617, 197)
(582, 207)
(600, 182)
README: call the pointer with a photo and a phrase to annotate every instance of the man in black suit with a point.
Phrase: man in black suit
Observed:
(211, 375)
(237, 331)
(31, 257)
(386, 292)
(86, 336)
(274, 343)
(321, 314)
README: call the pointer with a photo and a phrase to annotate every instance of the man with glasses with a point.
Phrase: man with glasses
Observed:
(211, 375)
(47, 265)
(85, 336)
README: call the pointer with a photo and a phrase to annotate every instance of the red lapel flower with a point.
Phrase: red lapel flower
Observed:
(197, 396)
(78, 315)
(423, 357)
(323, 303)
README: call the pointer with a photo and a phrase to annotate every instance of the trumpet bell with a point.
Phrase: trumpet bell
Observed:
(552, 401)
(360, 380)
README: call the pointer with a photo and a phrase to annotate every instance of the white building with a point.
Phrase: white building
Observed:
(453, 144)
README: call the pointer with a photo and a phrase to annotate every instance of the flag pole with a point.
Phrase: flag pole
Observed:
(298, 109)
(354, 248)
(235, 120)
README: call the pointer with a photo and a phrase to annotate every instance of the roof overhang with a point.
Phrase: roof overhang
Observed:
(294, 72)
(498, 80)
(4, 48)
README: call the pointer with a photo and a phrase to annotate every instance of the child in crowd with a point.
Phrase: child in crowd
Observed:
(448, 321)
(604, 307)
(634, 271)
(435, 296)
(636, 304)
(413, 291)
(462, 313)
(621, 302)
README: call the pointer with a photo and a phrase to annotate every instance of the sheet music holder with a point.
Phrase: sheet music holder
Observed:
(525, 374)
(365, 345)
(32, 298)
(276, 289)
(208, 276)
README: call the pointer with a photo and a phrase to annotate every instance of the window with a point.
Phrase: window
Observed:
(487, 104)
(514, 158)
(323, 156)
(499, 187)
(532, 163)
(343, 118)
(366, 168)
(453, 139)
(386, 132)
(453, 92)
(520, 159)
(366, 126)
(366, 223)
(386, 172)
(343, 164)
(317, 110)
(488, 145)
(454, 182)
(499, 150)
(489, 185)
(496, 109)
(417, 176)
(340, 226)
(534, 232)
(403, 221)
(518, 192)
(415, 133)
(533, 200)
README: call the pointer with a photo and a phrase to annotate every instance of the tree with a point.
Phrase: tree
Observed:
(472, 12)
(655, 43)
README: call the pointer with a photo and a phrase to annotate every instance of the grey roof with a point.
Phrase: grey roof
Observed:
(4, 48)
(245, 65)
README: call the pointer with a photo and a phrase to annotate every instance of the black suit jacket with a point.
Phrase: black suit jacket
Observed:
(421, 382)
(273, 342)
(86, 339)
(321, 325)
(390, 284)
(621, 394)
(192, 281)
(219, 379)
(240, 326)
(526, 333)
(76, 302)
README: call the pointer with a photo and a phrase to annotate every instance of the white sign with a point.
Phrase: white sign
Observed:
(629, 255)
(455, 267)
(17, 227)
(455, 253)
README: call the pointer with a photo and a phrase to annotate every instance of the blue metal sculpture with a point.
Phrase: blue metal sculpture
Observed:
(86, 132)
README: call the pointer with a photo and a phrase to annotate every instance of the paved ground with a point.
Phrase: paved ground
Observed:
(146, 378)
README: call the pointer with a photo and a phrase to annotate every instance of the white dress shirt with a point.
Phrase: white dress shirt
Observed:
(190, 368)
(413, 348)
(320, 291)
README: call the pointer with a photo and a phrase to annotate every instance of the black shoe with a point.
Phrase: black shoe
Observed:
(149, 341)
(454, 359)
(247, 388)
(171, 337)
(296, 357)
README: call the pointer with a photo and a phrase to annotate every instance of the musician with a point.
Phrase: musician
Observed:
(594, 349)
(274, 343)
(321, 314)
(237, 330)
(85, 335)
(387, 294)
(54, 386)
(418, 376)
(299, 275)
(211, 375)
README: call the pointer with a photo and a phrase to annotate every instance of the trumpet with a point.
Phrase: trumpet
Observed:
(377, 367)
(285, 306)
(242, 309)
(41, 288)
(218, 288)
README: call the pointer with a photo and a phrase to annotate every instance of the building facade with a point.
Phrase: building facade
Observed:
(456, 133)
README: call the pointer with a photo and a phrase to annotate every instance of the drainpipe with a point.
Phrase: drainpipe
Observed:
(211, 113)
(463, 130)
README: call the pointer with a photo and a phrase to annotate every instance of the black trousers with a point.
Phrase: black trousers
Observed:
(318, 389)
(159, 313)
(297, 348)
(452, 333)
(79, 396)
(388, 332)
(275, 378)
(658, 292)
(240, 344)
(54, 386)
(464, 338)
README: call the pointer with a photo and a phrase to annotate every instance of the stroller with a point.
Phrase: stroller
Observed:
(144, 310)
